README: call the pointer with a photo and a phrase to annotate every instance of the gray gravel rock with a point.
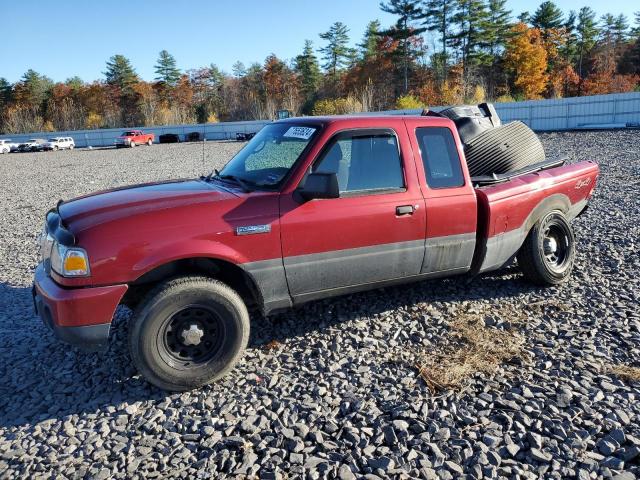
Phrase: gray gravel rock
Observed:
(339, 396)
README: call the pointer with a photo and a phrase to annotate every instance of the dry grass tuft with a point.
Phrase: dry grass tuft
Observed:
(471, 348)
(272, 345)
(626, 372)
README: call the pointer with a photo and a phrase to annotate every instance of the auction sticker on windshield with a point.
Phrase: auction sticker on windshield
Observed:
(303, 133)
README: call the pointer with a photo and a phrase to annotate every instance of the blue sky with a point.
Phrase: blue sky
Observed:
(65, 38)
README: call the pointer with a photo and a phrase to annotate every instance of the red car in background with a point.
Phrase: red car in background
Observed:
(132, 138)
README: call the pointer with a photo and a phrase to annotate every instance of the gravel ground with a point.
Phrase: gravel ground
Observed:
(331, 389)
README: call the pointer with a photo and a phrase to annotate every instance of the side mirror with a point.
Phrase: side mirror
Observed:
(320, 185)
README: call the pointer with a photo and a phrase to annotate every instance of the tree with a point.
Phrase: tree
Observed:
(586, 33)
(120, 73)
(306, 66)
(496, 33)
(526, 58)
(635, 31)
(369, 46)
(438, 15)
(470, 18)
(621, 29)
(547, 17)
(524, 17)
(32, 88)
(5, 91)
(409, 12)
(75, 83)
(336, 53)
(238, 69)
(166, 70)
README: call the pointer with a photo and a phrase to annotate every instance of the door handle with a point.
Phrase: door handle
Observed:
(404, 210)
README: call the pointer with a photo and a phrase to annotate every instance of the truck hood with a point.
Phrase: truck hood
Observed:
(107, 206)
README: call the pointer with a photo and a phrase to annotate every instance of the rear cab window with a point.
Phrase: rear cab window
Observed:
(440, 157)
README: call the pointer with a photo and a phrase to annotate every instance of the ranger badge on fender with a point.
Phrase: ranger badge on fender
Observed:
(253, 229)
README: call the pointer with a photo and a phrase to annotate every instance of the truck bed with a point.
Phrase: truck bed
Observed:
(508, 210)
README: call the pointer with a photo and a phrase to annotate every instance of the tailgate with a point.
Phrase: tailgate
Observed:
(508, 210)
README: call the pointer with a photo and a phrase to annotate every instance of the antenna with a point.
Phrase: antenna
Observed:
(204, 128)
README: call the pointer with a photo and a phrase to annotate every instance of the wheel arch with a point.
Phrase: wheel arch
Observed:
(232, 274)
(497, 251)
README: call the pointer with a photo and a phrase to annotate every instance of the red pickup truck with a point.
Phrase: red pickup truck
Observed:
(309, 208)
(132, 138)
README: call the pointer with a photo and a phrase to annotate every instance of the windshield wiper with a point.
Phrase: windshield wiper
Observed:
(245, 185)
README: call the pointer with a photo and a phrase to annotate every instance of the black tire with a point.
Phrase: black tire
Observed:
(149, 142)
(158, 334)
(548, 253)
(132, 144)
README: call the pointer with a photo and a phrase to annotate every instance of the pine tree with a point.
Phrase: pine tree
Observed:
(438, 15)
(369, 46)
(496, 33)
(337, 53)
(546, 18)
(586, 33)
(5, 92)
(470, 18)
(238, 69)
(34, 87)
(121, 73)
(524, 17)
(409, 12)
(438, 19)
(306, 65)
(635, 31)
(621, 28)
(166, 70)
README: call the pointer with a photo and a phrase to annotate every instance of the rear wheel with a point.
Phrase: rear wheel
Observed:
(188, 332)
(548, 253)
(132, 144)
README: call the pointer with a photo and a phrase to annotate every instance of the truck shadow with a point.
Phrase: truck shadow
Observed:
(42, 379)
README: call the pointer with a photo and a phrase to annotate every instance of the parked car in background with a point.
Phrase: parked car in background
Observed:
(59, 143)
(132, 138)
(6, 146)
(32, 145)
(169, 138)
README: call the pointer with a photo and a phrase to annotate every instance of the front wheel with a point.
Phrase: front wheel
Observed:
(188, 332)
(132, 144)
(547, 255)
(149, 142)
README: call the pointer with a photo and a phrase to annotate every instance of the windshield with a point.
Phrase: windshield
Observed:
(129, 134)
(269, 156)
(53, 139)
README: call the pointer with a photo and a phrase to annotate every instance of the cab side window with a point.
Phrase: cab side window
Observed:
(440, 157)
(363, 161)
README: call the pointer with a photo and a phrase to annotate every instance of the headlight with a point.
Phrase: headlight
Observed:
(69, 261)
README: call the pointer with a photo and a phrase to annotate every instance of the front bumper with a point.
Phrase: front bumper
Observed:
(79, 316)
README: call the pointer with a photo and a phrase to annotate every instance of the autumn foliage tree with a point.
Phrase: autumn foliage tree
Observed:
(526, 58)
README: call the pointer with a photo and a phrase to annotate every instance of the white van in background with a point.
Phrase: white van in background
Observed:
(59, 143)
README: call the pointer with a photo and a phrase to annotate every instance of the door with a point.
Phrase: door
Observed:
(373, 232)
(451, 205)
